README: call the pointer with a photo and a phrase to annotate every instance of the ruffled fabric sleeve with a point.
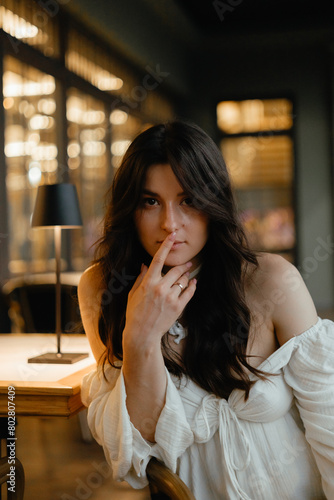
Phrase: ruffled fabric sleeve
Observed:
(310, 373)
(127, 452)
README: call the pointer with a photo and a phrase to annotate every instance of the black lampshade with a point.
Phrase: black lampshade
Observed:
(57, 205)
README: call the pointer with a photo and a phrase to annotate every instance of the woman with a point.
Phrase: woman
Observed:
(211, 358)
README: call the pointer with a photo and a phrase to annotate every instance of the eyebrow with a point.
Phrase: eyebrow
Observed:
(151, 193)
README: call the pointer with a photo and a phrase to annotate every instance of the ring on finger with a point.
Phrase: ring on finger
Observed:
(180, 285)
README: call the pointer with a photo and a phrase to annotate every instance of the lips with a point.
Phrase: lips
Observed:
(175, 242)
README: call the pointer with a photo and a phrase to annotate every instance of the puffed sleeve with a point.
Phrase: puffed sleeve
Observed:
(127, 452)
(310, 373)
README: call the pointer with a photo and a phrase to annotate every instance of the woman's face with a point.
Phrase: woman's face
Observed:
(164, 208)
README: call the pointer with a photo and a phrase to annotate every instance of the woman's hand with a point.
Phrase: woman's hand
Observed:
(155, 301)
(154, 304)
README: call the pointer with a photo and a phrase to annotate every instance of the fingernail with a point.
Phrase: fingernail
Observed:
(195, 281)
(189, 264)
(172, 235)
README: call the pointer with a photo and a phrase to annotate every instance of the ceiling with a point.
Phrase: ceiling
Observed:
(220, 17)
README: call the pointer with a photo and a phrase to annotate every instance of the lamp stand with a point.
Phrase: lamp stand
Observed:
(58, 357)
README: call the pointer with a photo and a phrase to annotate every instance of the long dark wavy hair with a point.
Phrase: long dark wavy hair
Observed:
(217, 317)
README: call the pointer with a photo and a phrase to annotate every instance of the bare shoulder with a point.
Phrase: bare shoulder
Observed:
(283, 292)
(90, 288)
(91, 280)
(274, 270)
(271, 264)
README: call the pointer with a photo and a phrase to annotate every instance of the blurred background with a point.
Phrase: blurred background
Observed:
(80, 79)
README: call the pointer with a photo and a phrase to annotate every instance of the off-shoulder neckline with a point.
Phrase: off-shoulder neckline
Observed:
(276, 360)
(288, 345)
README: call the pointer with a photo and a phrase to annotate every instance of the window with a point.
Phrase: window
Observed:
(88, 60)
(31, 23)
(88, 161)
(31, 157)
(71, 107)
(258, 149)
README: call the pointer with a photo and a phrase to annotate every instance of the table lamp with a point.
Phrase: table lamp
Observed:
(57, 206)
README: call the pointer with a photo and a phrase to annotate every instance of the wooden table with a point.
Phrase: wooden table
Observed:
(42, 389)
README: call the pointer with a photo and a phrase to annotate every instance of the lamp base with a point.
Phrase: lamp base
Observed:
(59, 358)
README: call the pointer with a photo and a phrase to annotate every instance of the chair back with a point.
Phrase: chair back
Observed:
(165, 484)
(32, 307)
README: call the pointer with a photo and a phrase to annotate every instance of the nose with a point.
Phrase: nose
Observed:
(170, 219)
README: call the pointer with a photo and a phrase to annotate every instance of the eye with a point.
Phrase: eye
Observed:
(188, 202)
(149, 202)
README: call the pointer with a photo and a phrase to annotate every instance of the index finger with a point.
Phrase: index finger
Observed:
(160, 256)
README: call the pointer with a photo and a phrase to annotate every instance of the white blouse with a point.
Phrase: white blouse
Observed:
(279, 444)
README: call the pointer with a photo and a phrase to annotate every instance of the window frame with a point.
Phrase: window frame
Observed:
(274, 133)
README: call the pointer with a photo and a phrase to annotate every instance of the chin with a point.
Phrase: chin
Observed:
(175, 261)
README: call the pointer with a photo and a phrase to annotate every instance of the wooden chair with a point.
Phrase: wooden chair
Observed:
(32, 306)
(5, 324)
(165, 484)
